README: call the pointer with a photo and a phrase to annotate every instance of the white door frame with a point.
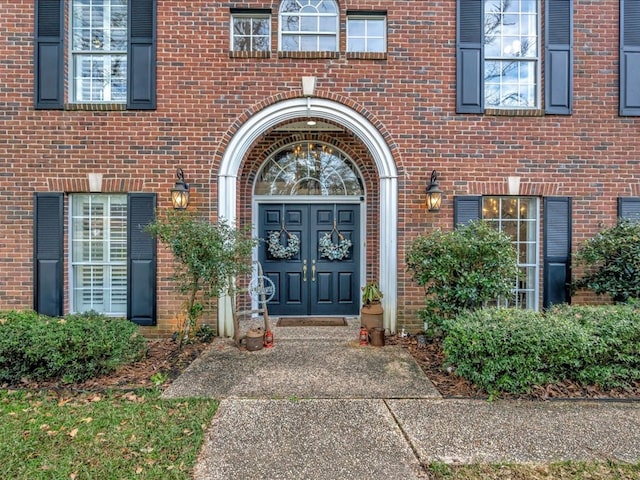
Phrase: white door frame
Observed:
(297, 108)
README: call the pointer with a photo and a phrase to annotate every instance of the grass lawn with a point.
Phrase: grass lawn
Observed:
(553, 471)
(100, 436)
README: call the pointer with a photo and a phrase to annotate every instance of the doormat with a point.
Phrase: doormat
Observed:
(312, 322)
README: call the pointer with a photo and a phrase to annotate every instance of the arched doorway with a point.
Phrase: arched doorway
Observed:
(303, 108)
(308, 198)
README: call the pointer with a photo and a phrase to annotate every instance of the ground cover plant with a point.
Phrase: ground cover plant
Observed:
(100, 435)
(555, 470)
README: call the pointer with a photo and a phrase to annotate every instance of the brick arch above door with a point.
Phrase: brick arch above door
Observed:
(369, 135)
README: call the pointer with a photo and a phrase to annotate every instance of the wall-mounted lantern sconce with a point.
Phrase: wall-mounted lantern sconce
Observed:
(180, 192)
(434, 194)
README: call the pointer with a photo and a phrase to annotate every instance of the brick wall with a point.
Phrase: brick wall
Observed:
(205, 94)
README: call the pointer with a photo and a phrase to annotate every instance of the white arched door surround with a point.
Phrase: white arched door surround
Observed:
(296, 108)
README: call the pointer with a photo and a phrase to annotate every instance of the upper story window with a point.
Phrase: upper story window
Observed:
(629, 58)
(366, 32)
(308, 26)
(111, 57)
(511, 54)
(500, 55)
(250, 31)
(99, 51)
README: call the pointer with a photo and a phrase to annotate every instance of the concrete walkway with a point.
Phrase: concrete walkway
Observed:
(319, 406)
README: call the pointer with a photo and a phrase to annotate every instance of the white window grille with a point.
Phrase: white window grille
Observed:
(99, 253)
(518, 218)
(99, 50)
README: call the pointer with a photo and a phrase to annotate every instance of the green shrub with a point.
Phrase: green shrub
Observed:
(209, 257)
(463, 269)
(72, 348)
(513, 350)
(611, 354)
(612, 261)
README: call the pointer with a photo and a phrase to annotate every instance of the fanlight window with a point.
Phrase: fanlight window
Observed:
(309, 26)
(309, 169)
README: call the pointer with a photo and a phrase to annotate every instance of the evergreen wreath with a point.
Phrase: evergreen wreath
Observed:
(277, 250)
(333, 251)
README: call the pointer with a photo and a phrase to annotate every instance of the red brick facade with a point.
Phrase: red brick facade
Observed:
(205, 95)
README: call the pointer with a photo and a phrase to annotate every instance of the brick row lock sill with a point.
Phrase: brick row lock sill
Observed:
(311, 55)
(96, 107)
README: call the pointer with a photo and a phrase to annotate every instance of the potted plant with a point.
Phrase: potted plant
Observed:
(371, 313)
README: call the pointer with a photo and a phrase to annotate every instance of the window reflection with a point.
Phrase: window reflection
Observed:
(309, 168)
(517, 217)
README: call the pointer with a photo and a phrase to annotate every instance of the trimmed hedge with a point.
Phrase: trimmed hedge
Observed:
(512, 350)
(72, 348)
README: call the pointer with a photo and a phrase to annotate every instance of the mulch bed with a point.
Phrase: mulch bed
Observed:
(165, 357)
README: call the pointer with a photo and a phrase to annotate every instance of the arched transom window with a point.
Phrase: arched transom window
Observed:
(309, 26)
(309, 168)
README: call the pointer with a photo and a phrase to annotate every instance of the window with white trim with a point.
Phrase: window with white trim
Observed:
(518, 218)
(99, 50)
(99, 253)
(511, 54)
(366, 33)
(250, 32)
(308, 26)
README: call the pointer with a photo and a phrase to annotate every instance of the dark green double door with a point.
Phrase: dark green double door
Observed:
(309, 283)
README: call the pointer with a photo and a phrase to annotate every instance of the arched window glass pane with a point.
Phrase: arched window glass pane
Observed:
(309, 168)
(308, 25)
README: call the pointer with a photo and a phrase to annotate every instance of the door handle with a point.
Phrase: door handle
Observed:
(304, 270)
(313, 270)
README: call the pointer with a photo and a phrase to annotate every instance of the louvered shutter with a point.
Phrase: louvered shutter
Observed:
(629, 208)
(469, 57)
(48, 55)
(141, 84)
(629, 57)
(48, 253)
(559, 57)
(466, 209)
(141, 259)
(557, 250)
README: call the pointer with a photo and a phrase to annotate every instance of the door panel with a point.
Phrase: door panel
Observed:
(307, 283)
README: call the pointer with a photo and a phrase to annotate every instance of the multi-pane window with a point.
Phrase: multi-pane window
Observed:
(518, 218)
(309, 26)
(251, 32)
(309, 168)
(511, 53)
(99, 253)
(366, 33)
(99, 50)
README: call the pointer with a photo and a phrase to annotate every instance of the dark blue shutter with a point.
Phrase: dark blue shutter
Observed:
(48, 55)
(629, 57)
(141, 259)
(557, 251)
(141, 75)
(469, 57)
(629, 208)
(559, 57)
(466, 209)
(48, 242)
